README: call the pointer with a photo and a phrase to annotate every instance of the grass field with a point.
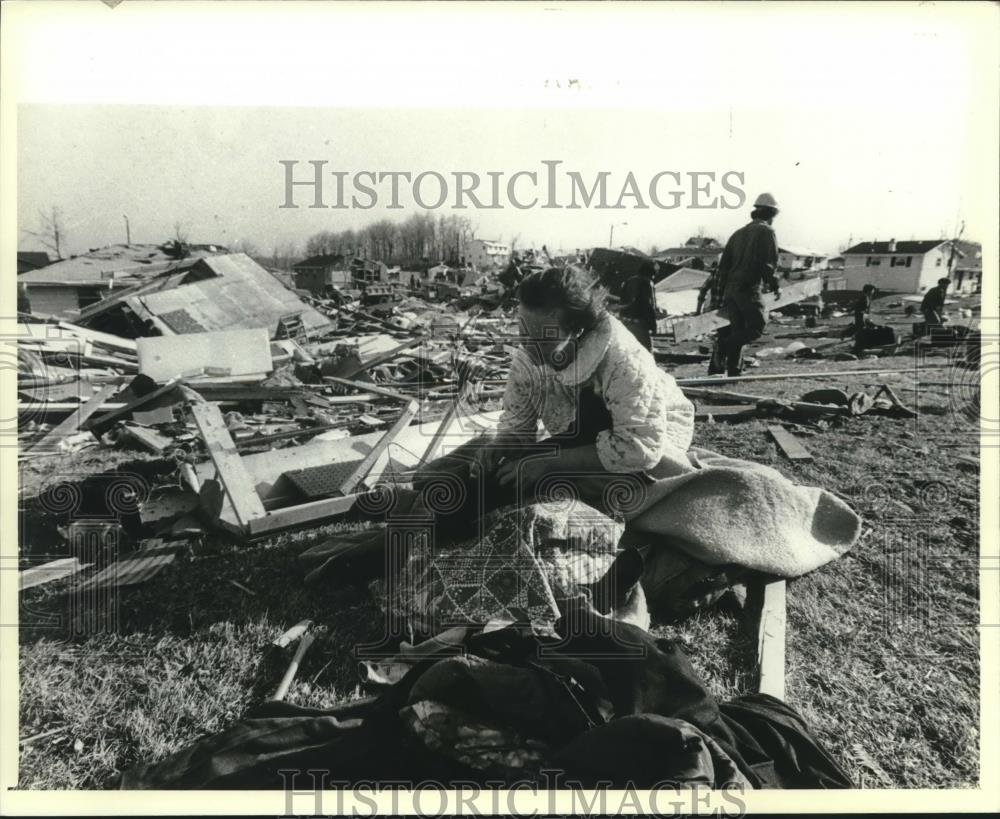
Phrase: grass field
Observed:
(883, 644)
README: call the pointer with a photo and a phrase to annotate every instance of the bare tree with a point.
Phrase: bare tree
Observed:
(284, 255)
(180, 232)
(52, 231)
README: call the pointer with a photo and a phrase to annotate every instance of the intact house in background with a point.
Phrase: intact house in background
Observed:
(795, 259)
(484, 254)
(913, 266)
(317, 273)
(65, 287)
(967, 269)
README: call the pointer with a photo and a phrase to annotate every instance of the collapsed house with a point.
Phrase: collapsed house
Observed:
(64, 288)
(220, 292)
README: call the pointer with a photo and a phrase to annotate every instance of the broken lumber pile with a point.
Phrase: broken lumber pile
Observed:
(688, 327)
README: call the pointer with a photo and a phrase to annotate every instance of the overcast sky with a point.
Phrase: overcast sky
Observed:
(867, 134)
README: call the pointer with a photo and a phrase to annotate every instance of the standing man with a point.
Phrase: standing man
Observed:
(933, 304)
(639, 305)
(748, 264)
(862, 307)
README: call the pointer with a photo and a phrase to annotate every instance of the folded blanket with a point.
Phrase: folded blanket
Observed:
(727, 510)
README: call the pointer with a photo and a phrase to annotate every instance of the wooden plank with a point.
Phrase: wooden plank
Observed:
(359, 385)
(357, 477)
(741, 398)
(705, 411)
(694, 326)
(150, 439)
(771, 641)
(153, 417)
(93, 359)
(721, 395)
(218, 391)
(102, 423)
(126, 345)
(44, 409)
(817, 375)
(303, 432)
(445, 425)
(234, 478)
(238, 352)
(131, 571)
(789, 444)
(47, 572)
(75, 420)
(314, 513)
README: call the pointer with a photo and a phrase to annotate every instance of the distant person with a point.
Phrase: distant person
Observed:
(863, 307)
(510, 277)
(639, 305)
(933, 304)
(749, 262)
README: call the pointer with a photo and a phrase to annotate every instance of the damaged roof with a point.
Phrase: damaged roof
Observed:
(236, 292)
(99, 265)
(686, 278)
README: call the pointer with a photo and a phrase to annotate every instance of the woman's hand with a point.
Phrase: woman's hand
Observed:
(527, 470)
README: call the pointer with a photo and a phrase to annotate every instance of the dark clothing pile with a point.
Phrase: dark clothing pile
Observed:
(604, 703)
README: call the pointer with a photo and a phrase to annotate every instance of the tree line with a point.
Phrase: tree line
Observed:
(421, 237)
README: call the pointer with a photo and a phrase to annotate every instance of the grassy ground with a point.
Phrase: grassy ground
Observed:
(882, 644)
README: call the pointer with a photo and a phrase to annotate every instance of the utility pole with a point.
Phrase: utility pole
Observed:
(128, 232)
(954, 247)
(611, 236)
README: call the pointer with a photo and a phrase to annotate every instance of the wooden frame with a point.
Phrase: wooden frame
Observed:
(252, 517)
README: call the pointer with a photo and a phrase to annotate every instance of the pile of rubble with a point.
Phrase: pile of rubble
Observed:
(281, 411)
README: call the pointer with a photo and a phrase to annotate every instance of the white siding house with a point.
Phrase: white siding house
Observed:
(792, 259)
(484, 254)
(902, 267)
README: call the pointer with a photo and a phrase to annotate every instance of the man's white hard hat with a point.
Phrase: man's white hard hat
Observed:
(766, 200)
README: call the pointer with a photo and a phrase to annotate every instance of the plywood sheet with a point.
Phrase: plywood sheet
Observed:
(241, 352)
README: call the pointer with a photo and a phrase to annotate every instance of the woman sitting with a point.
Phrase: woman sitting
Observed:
(529, 518)
(608, 408)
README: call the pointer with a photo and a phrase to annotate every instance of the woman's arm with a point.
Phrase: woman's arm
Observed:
(522, 401)
(579, 460)
(650, 416)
